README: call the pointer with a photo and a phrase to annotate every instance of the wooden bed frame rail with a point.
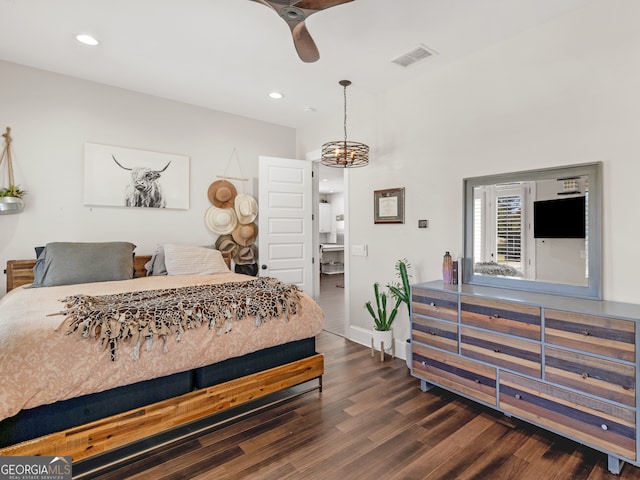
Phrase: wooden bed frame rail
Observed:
(122, 429)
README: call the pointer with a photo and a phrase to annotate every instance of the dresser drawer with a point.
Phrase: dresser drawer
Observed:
(435, 333)
(512, 353)
(607, 379)
(455, 373)
(596, 423)
(504, 317)
(601, 335)
(436, 304)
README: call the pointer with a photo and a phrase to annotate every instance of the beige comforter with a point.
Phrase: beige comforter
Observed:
(41, 365)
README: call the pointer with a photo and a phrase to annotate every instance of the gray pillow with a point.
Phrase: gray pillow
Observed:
(66, 263)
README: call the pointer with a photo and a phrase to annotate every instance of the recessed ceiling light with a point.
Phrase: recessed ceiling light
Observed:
(87, 39)
(325, 179)
(309, 109)
(276, 95)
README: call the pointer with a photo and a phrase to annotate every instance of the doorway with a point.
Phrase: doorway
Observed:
(331, 242)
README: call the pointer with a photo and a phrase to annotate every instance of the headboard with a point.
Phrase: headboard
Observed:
(20, 272)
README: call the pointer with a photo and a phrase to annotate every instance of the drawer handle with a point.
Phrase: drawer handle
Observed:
(585, 375)
(586, 333)
(477, 380)
(432, 304)
(433, 333)
(604, 426)
(496, 350)
(518, 396)
(495, 315)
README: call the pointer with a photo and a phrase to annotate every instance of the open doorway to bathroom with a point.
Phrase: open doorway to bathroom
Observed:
(331, 242)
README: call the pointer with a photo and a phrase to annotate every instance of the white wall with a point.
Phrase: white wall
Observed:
(52, 116)
(563, 93)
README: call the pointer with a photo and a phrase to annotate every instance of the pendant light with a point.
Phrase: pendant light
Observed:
(343, 153)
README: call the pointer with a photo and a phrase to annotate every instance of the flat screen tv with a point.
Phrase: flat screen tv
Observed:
(560, 218)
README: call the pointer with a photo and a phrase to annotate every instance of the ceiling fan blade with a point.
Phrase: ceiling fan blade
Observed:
(305, 46)
(318, 4)
(295, 12)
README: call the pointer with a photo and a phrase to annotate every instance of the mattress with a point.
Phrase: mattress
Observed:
(41, 364)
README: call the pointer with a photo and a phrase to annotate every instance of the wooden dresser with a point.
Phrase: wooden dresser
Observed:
(566, 364)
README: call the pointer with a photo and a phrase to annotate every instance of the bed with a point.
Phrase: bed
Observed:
(67, 395)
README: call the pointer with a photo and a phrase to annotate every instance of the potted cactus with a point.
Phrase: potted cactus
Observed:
(382, 333)
(402, 290)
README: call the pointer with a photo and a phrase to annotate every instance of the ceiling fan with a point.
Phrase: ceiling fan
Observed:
(295, 13)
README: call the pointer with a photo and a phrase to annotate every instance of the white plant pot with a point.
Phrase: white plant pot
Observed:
(380, 338)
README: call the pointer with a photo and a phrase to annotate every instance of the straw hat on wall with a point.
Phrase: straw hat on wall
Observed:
(246, 208)
(221, 220)
(245, 235)
(246, 255)
(222, 194)
(225, 243)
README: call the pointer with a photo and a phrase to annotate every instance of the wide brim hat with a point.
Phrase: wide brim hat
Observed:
(245, 235)
(221, 220)
(246, 255)
(246, 208)
(225, 243)
(222, 194)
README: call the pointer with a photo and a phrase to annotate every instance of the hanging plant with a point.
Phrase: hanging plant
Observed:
(11, 196)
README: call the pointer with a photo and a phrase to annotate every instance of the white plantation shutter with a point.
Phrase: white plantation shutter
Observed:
(509, 230)
(478, 219)
(586, 237)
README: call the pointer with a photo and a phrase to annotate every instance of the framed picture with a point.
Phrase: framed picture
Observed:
(388, 205)
(128, 177)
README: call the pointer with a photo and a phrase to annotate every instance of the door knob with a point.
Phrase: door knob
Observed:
(264, 267)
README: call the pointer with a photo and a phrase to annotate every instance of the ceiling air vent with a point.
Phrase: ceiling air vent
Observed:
(416, 55)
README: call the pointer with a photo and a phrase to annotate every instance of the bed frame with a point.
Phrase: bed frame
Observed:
(97, 437)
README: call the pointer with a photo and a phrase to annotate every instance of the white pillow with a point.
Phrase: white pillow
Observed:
(191, 260)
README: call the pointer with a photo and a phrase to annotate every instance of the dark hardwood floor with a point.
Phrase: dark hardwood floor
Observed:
(372, 422)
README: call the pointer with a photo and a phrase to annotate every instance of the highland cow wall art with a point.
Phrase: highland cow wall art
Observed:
(127, 177)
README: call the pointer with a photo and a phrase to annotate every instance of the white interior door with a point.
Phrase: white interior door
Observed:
(286, 221)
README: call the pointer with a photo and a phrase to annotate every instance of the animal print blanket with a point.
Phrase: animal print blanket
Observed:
(143, 316)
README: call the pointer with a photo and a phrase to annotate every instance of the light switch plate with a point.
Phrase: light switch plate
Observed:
(359, 250)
